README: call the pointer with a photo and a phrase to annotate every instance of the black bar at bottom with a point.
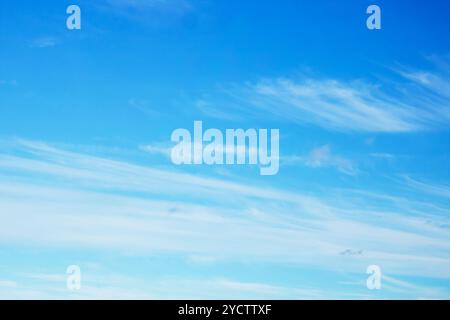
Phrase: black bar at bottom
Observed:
(228, 309)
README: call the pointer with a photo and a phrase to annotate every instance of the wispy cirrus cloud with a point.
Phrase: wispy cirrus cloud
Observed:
(436, 80)
(420, 101)
(436, 189)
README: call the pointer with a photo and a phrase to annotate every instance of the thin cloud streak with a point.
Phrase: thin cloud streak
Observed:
(322, 157)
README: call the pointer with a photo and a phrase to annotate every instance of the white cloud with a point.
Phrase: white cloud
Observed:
(436, 80)
(334, 104)
(322, 157)
(420, 101)
(77, 200)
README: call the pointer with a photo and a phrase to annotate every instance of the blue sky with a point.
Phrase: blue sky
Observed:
(85, 126)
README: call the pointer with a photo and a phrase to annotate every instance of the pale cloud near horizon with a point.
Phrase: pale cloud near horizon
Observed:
(116, 286)
(104, 284)
(87, 201)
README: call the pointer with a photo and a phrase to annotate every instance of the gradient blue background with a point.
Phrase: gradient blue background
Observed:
(85, 123)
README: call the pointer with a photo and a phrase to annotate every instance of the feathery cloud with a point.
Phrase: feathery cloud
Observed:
(420, 101)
